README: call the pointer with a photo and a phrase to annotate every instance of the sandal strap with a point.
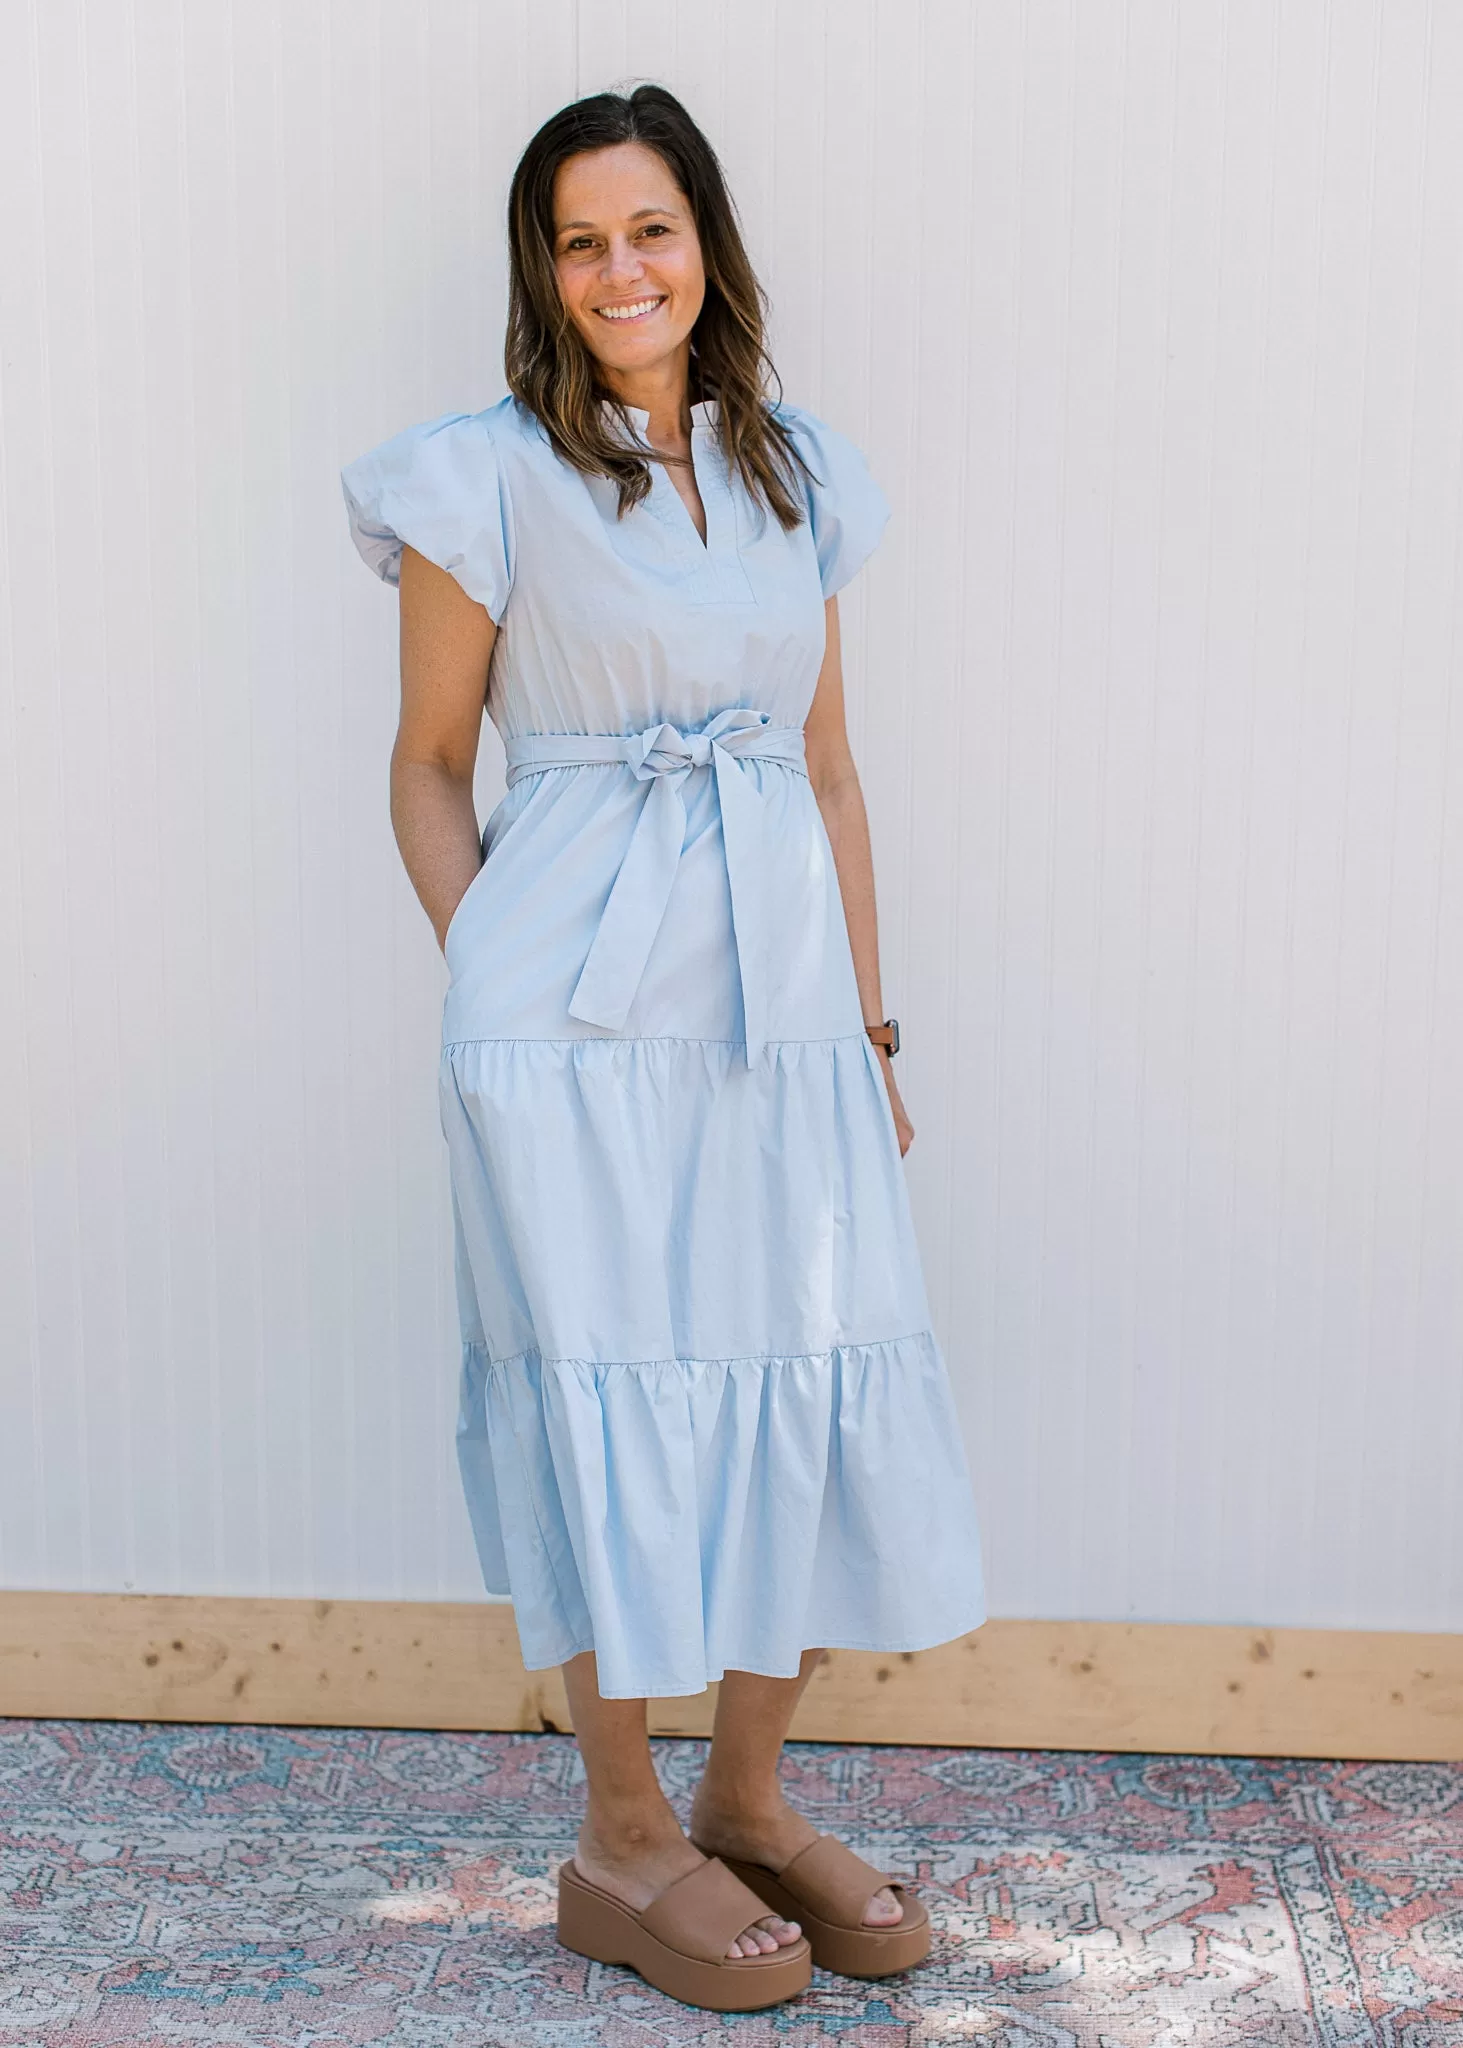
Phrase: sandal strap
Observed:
(832, 1882)
(702, 1913)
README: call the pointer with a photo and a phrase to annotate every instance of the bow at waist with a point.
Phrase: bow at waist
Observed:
(662, 757)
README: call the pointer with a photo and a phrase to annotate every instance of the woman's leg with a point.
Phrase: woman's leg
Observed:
(739, 1808)
(631, 1842)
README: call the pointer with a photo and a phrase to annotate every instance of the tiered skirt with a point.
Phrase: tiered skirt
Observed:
(704, 1422)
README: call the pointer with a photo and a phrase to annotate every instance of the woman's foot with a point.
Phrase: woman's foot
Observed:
(771, 1834)
(635, 1863)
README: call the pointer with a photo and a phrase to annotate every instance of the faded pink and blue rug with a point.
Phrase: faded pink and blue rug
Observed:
(324, 1888)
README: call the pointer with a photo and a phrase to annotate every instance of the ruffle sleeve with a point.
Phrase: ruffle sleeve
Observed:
(437, 487)
(847, 510)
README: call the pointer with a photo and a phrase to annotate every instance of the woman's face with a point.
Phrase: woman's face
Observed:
(628, 257)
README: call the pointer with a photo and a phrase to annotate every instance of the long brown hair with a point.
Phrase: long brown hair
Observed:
(553, 373)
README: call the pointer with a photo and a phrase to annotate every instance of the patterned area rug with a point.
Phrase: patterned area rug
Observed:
(282, 1887)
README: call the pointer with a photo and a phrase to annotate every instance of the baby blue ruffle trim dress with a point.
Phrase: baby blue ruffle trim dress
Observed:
(704, 1423)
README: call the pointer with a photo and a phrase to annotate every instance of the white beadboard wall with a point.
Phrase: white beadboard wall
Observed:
(1150, 318)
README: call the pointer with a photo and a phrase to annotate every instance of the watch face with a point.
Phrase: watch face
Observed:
(893, 1023)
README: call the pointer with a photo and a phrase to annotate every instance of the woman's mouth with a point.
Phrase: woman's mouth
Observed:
(632, 309)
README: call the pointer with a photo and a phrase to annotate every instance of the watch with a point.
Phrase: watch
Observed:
(885, 1034)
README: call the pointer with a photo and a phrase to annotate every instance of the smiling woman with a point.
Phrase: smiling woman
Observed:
(627, 262)
(705, 1428)
(636, 271)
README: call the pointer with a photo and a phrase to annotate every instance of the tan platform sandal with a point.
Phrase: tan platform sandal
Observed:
(679, 1942)
(826, 1889)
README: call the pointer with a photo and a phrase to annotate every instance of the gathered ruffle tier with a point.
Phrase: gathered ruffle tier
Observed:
(773, 1504)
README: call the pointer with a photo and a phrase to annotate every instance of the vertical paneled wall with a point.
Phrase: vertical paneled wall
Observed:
(1150, 319)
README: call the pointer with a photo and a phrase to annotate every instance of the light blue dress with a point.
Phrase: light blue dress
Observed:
(704, 1422)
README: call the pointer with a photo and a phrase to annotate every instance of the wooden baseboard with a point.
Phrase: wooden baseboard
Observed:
(1012, 1684)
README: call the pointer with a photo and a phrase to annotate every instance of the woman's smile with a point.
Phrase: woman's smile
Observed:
(634, 309)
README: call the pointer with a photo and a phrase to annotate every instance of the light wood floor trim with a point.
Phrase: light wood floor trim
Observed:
(1013, 1684)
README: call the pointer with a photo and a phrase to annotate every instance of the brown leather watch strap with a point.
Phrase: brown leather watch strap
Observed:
(885, 1034)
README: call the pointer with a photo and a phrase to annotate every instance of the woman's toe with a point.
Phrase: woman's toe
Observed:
(765, 1937)
(883, 1910)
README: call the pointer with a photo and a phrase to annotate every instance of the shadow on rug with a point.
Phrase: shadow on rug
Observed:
(280, 1887)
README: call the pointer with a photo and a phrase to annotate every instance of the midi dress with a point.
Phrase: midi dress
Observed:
(704, 1423)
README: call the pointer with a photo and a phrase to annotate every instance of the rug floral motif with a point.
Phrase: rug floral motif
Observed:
(330, 1888)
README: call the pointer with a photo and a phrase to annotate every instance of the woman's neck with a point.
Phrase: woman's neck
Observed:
(663, 390)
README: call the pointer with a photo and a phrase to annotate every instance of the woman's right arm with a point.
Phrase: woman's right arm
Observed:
(446, 643)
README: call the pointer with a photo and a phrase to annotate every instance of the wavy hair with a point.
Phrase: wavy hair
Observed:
(551, 370)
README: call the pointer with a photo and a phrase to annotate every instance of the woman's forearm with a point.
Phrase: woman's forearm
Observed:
(846, 822)
(436, 828)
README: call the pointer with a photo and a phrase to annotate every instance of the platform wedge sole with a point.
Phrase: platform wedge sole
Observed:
(679, 1942)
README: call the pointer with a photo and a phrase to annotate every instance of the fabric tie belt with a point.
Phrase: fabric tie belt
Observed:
(663, 757)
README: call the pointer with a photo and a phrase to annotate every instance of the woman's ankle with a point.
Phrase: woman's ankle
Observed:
(627, 1828)
(760, 1799)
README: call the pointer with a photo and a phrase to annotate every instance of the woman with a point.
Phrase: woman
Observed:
(705, 1430)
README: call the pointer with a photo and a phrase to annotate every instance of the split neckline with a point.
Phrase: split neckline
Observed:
(705, 413)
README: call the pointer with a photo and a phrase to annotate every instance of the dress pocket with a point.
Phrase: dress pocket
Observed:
(455, 922)
(505, 814)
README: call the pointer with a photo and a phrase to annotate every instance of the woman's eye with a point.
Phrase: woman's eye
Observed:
(657, 227)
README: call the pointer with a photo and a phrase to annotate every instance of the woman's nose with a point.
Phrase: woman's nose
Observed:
(622, 262)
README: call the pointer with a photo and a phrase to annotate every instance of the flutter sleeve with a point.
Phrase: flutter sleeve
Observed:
(846, 508)
(437, 487)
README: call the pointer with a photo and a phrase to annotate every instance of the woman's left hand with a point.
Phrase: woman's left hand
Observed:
(902, 1125)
